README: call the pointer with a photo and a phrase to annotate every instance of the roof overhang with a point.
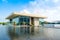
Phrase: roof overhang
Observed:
(13, 15)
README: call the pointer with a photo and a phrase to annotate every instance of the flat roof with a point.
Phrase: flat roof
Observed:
(14, 14)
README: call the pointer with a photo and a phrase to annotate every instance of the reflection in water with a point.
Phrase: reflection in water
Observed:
(12, 33)
(20, 33)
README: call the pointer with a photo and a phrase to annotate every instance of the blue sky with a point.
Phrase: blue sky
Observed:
(9, 6)
(49, 8)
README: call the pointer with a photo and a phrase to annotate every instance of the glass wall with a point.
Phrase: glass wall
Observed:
(24, 20)
(21, 20)
(16, 20)
(41, 19)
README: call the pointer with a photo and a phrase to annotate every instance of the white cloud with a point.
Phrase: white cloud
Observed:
(46, 0)
(55, 1)
(3, 19)
(5, 1)
(52, 10)
(24, 11)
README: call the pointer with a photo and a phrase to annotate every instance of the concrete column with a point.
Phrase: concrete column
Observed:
(36, 21)
(30, 20)
(36, 25)
(30, 24)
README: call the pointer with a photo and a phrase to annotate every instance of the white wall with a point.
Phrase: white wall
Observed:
(36, 24)
(36, 21)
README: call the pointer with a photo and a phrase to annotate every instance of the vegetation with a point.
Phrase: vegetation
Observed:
(3, 23)
(45, 22)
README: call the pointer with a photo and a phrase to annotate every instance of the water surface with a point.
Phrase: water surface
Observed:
(11, 33)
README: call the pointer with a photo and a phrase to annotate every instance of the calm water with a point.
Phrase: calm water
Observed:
(10, 33)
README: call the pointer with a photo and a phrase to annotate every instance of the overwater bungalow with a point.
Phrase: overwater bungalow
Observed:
(25, 19)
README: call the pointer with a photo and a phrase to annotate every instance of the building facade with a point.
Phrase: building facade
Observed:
(24, 18)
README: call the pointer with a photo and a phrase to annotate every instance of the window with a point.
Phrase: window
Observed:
(24, 19)
(16, 20)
